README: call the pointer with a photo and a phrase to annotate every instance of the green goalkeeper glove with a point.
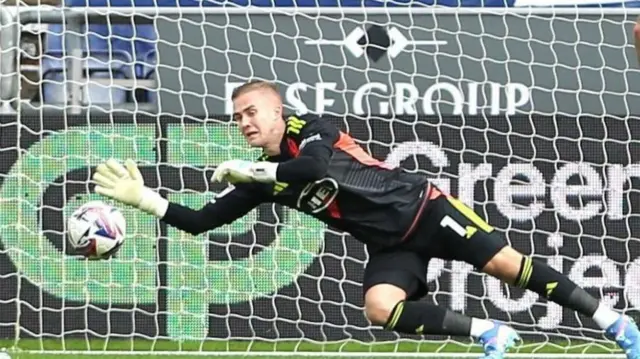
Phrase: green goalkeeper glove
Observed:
(126, 186)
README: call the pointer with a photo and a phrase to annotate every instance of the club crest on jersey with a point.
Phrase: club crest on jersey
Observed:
(318, 196)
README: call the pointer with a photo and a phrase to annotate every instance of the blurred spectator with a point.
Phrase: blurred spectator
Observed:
(31, 41)
(30, 47)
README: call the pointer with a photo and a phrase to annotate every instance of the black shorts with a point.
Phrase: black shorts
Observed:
(452, 231)
(448, 230)
(401, 267)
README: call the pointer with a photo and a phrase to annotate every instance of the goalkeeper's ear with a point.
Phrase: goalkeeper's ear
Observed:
(133, 169)
(278, 111)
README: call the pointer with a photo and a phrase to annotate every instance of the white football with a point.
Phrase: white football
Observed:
(96, 230)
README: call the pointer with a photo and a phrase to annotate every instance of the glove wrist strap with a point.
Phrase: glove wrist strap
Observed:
(267, 171)
(153, 203)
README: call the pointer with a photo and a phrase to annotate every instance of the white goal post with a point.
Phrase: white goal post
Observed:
(530, 115)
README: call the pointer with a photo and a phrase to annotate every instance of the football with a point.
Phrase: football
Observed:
(96, 230)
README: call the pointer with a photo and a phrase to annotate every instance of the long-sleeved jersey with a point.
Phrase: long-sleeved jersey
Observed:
(324, 173)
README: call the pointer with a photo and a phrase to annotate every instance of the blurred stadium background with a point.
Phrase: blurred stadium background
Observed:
(527, 110)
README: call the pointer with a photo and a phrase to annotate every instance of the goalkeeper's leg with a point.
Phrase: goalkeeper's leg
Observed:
(395, 279)
(529, 273)
(467, 237)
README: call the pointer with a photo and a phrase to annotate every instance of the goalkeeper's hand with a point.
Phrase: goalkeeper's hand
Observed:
(239, 171)
(126, 186)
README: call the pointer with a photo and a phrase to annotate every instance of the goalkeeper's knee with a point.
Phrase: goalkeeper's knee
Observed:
(378, 310)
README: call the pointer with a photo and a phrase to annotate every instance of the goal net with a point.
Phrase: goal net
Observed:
(527, 116)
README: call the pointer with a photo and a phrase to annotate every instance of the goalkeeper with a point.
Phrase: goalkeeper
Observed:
(402, 218)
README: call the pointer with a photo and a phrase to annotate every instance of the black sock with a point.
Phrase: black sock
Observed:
(537, 276)
(426, 318)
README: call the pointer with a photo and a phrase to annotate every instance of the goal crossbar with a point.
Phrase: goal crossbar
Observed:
(59, 15)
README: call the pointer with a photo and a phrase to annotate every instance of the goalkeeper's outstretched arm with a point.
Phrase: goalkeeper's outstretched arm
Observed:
(126, 185)
(229, 205)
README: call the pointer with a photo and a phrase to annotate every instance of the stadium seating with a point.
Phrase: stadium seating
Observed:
(122, 52)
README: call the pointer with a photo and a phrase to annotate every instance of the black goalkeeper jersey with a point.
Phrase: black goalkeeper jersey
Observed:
(325, 174)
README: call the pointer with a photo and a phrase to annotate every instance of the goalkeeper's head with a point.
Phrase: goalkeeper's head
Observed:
(257, 109)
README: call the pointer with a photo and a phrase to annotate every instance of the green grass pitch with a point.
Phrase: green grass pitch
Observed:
(24, 349)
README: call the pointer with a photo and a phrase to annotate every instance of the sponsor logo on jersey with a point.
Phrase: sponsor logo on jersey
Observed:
(318, 196)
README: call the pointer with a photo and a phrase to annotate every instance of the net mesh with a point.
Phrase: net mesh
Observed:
(524, 117)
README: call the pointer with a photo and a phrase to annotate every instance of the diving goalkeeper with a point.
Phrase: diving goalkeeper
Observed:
(402, 218)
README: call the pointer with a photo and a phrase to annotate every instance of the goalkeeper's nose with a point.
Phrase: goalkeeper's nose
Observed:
(246, 127)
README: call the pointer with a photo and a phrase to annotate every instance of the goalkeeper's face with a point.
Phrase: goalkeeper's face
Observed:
(258, 115)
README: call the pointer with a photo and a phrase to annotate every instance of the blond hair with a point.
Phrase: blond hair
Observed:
(254, 85)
